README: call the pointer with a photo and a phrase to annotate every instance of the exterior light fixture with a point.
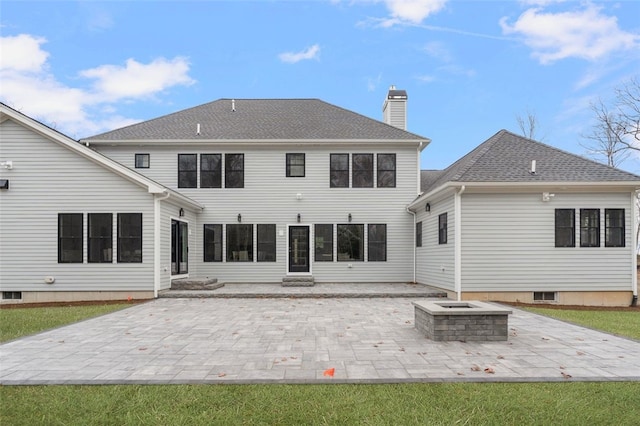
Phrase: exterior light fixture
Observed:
(298, 217)
(349, 217)
(181, 212)
(427, 207)
(239, 218)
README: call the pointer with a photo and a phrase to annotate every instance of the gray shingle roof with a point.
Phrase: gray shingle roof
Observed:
(270, 119)
(506, 157)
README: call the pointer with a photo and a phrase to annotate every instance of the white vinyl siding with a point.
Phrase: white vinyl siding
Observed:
(268, 197)
(508, 244)
(48, 179)
(434, 261)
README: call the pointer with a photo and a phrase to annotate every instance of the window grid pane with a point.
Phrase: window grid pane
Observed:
(239, 243)
(565, 228)
(386, 170)
(614, 234)
(213, 243)
(70, 247)
(419, 234)
(363, 170)
(377, 242)
(142, 161)
(266, 243)
(210, 170)
(339, 171)
(234, 170)
(323, 236)
(589, 228)
(130, 237)
(350, 242)
(442, 229)
(295, 165)
(187, 170)
(100, 236)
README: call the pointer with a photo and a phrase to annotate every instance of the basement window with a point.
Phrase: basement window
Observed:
(544, 296)
(11, 295)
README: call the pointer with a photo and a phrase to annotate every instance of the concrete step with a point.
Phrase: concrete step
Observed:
(305, 281)
(195, 283)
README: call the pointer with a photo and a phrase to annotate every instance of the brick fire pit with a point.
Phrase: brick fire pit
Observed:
(461, 321)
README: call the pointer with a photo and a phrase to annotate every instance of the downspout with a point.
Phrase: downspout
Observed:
(457, 204)
(414, 243)
(634, 245)
(157, 246)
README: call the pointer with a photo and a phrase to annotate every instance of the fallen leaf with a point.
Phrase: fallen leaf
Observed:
(475, 368)
(221, 374)
(459, 373)
(329, 372)
(489, 370)
(142, 349)
(407, 322)
(565, 375)
(545, 338)
(283, 359)
(401, 349)
(579, 353)
(562, 367)
(500, 357)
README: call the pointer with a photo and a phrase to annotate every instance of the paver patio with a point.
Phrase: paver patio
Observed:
(280, 340)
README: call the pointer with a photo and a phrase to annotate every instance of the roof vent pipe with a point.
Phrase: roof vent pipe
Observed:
(533, 167)
(233, 104)
(198, 129)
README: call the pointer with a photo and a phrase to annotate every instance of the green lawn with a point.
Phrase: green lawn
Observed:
(570, 403)
(623, 323)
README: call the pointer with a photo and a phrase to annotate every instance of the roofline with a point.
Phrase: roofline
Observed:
(6, 112)
(630, 185)
(89, 141)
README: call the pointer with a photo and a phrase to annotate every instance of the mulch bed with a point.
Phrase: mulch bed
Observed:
(80, 303)
(576, 307)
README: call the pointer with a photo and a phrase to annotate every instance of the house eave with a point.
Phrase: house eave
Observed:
(271, 142)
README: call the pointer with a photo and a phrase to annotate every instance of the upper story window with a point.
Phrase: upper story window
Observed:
(295, 165)
(130, 237)
(589, 227)
(362, 170)
(377, 242)
(234, 170)
(70, 238)
(187, 170)
(565, 227)
(100, 237)
(210, 170)
(419, 234)
(142, 161)
(442, 228)
(339, 171)
(386, 170)
(614, 232)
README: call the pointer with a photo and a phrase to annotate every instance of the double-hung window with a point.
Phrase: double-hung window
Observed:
(339, 171)
(100, 236)
(362, 170)
(234, 170)
(295, 165)
(614, 233)
(210, 170)
(213, 243)
(142, 161)
(589, 227)
(442, 229)
(377, 242)
(419, 234)
(266, 243)
(386, 171)
(187, 170)
(350, 242)
(129, 237)
(70, 237)
(239, 243)
(323, 238)
(565, 227)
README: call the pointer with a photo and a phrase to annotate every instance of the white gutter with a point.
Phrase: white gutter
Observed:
(457, 204)
(157, 246)
(415, 249)
(634, 245)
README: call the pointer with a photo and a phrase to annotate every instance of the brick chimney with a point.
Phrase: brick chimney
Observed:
(394, 109)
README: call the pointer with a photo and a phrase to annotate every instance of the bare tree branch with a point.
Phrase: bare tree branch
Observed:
(528, 125)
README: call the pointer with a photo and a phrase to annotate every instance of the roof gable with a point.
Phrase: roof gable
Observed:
(506, 158)
(260, 119)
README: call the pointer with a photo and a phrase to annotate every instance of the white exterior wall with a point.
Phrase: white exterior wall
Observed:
(48, 179)
(435, 262)
(508, 244)
(270, 198)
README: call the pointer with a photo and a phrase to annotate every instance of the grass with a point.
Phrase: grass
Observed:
(622, 323)
(401, 404)
(571, 403)
(18, 322)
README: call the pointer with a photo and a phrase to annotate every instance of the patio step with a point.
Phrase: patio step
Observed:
(195, 283)
(306, 281)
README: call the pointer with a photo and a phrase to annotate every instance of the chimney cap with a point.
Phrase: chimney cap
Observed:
(396, 94)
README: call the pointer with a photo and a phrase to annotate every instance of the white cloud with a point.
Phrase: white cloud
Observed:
(312, 52)
(586, 34)
(438, 50)
(136, 80)
(22, 53)
(411, 11)
(373, 83)
(29, 86)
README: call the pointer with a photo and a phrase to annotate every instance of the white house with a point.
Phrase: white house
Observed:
(271, 190)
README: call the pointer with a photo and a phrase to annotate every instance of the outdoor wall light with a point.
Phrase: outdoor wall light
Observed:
(349, 217)
(298, 217)
(181, 212)
(239, 218)
(427, 207)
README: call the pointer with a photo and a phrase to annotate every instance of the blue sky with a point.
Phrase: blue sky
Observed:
(469, 67)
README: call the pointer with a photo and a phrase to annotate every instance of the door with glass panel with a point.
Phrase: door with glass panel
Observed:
(179, 247)
(298, 249)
